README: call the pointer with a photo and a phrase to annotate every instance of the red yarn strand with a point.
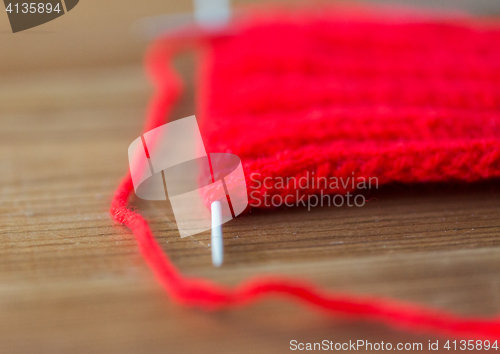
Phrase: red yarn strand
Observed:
(208, 295)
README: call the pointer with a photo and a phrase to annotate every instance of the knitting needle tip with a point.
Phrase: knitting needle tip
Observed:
(216, 242)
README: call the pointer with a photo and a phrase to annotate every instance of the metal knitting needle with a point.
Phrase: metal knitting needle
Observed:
(214, 15)
(211, 15)
(216, 242)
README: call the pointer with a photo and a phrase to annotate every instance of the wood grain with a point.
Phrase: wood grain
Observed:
(71, 280)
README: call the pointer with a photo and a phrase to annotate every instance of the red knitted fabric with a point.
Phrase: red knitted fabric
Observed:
(403, 102)
(288, 93)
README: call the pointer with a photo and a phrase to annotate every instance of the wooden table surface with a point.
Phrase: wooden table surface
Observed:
(71, 280)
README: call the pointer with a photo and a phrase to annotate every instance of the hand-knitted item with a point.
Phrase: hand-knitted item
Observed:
(401, 101)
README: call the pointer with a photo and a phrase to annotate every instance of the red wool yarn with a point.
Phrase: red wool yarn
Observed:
(416, 100)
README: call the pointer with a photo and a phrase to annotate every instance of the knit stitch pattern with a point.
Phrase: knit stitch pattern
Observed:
(324, 96)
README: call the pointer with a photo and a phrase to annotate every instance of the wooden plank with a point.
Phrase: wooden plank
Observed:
(72, 281)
